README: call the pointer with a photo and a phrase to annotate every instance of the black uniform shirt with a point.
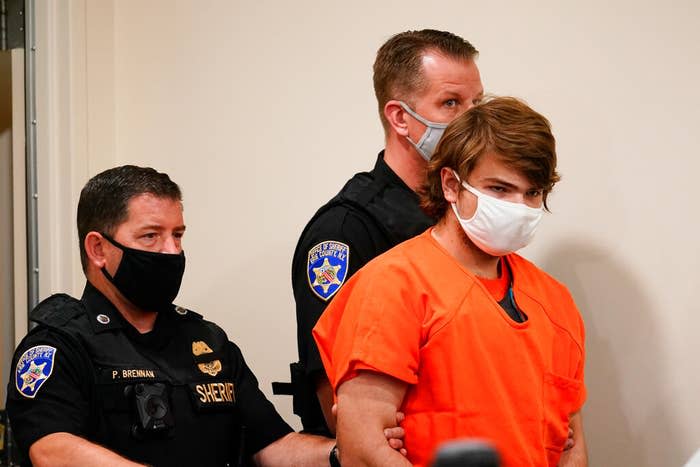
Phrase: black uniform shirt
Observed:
(81, 371)
(374, 212)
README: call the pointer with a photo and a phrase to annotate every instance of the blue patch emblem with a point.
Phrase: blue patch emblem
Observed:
(327, 268)
(33, 369)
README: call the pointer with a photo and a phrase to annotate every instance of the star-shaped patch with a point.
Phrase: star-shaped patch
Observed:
(33, 368)
(327, 268)
(326, 275)
(34, 374)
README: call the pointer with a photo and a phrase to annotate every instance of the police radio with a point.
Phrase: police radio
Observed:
(153, 416)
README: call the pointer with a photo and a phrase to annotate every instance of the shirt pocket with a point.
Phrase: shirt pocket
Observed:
(560, 399)
(132, 402)
(115, 385)
(112, 415)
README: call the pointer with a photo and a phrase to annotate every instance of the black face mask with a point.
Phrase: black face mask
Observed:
(147, 279)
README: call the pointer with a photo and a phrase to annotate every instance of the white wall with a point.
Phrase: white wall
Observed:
(6, 241)
(261, 110)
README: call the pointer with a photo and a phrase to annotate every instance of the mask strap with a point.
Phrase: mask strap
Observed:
(421, 119)
(118, 245)
(113, 241)
(470, 189)
(466, 186)
(106, 274)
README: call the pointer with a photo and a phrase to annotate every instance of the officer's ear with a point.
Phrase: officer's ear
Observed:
(95, 249)
(450, 185)
(396, 116)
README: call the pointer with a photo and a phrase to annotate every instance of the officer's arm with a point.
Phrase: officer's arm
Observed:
(339, 229)
(65, 449)
(367, 405)
(324, 391)
(296, 449)
(576, 456)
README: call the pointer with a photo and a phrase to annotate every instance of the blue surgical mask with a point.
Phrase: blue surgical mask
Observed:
(430, 139)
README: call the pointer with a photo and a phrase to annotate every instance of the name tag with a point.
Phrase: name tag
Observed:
(127, 375)
(133, 373)
(213, 394)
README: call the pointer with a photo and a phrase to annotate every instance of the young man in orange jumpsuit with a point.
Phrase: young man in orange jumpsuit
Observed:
(467, 338)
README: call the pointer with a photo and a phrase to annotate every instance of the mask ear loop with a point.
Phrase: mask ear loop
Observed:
(116, 244)
(422, 119)
(430, 127)
(113, 241)
(464, 185)
(459, 188)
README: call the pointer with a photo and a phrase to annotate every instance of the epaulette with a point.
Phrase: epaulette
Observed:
(56, 310)
(185, 313)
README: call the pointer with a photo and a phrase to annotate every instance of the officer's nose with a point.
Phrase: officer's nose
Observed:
(171, 245)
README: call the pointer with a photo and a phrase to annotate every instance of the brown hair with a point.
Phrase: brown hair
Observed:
(503, 125)
(398, 68)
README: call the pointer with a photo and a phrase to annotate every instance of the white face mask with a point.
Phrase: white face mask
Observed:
(431, 137)
(499, 227)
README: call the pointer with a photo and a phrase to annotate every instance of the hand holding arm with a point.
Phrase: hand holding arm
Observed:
(367, 406)
(576, 456)
(394, 435)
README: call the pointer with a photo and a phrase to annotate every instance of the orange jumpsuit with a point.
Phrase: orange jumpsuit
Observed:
(415, 314)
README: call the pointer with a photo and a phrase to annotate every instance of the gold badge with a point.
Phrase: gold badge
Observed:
(200, 348)
(210, 368)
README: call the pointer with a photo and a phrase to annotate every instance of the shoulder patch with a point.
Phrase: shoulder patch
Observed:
(327, 268)
(33, 368)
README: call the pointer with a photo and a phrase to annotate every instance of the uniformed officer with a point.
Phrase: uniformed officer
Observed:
(422, 80)
(122, 376)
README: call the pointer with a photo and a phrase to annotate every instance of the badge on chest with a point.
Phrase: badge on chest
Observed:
(213, 395)
(205, 358)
